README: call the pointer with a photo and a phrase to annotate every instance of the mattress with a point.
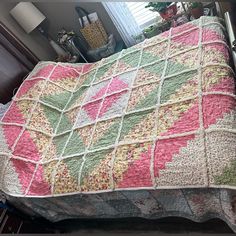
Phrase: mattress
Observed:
(159, 115)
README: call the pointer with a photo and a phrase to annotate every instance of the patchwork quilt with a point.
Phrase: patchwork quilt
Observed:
(159, 115)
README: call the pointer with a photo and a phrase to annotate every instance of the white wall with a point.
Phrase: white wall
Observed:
(63, 15)
(34, 41)
(59, 15)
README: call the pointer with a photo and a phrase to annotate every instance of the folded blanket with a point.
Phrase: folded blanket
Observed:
(160, 114)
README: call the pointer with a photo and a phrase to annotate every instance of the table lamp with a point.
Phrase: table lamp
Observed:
(30, 18)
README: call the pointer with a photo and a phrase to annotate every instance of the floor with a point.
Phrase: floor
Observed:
(129, 226)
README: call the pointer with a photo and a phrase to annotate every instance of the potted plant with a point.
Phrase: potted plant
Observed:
(196, 9)
(165, 9)
(151, 31)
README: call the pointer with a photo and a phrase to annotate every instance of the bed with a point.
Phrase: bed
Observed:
(147, 132)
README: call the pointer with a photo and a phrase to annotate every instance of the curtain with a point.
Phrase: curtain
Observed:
(124, 21)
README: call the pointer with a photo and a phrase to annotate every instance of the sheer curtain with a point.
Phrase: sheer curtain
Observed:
(124, 21)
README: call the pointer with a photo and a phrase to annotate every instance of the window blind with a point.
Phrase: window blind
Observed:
(143, 16)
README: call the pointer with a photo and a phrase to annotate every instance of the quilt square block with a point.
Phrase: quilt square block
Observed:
(97, 91)
(178, 118)
(150, 73)
(77, 97)
(217, 78)
(97, 166)
(221, 156)
(105, 71)
(212, 32)
(19, 112)
(179, 87)
(185, 61)
(57, 147)
(68, 120)
(128, 61)
(180, 161)
(132, 166)
(44, 118)
(154, 52)
(65, 77)
(86, 78)
(218, 111)
(79, 141)
(106, 133)
(138, 126)
(144, 96)
(40, 186)
(185, 40)
(31, 88)
(215, 53)
(55, 96)
(65, 180)
(43, 70)
(32, 145)
(18, 175)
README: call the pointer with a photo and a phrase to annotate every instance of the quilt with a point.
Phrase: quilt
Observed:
(158, 115)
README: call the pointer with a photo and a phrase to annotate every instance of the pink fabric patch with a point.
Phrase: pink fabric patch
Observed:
(189, 121)
(11, 133)
(189, 38)
(138, 173)
(63, 72)
(224, 85)
(109, 101)
(92, 109)
(25, 172)
(210, 35)
(115, 85)
(215, 106)
(27, 85)
(44, 72)
(218, 47)
(13, 115)
(181, 28)
(87, 67)
(26, 147)
(165, 149)
(39, 186)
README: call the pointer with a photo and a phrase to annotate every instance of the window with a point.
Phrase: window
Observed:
(143, 16)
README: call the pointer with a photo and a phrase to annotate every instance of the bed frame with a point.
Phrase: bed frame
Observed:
(232, 41)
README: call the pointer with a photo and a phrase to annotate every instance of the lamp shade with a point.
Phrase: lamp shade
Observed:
(27, 15)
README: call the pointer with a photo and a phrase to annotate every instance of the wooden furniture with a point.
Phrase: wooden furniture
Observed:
(16, 61)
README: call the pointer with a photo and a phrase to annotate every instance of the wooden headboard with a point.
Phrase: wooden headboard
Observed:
(16, 61)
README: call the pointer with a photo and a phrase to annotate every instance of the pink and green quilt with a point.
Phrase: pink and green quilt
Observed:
(158, 115)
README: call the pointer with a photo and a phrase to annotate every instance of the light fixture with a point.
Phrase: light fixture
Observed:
(30, 18)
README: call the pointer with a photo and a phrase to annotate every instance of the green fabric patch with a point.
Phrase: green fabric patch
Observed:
(76, 97)
(75, 145)
(147, 101)
(173, 67)
(65, 124)
(156, 68)
(131, 59)
(57, 100)
(52, 115)
(74, 164)
(109, 137)
(228, 177)
(171, 85)
(103, 69)
(92, 160)
(131, 120)
(86, 81)
(60, 142)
